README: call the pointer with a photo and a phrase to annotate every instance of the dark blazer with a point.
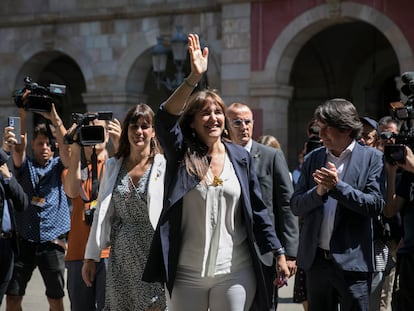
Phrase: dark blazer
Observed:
(277, 188)
(16, 200)
(165, 249)
(359, 200)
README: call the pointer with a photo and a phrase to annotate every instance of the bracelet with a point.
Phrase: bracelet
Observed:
(189, 84)
(278, 252)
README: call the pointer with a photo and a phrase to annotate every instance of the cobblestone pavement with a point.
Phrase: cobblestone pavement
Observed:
(35, 299)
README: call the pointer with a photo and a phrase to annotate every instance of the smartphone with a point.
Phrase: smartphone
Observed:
(15, 123)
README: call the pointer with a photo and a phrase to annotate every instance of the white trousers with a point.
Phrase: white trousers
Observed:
(230, 292)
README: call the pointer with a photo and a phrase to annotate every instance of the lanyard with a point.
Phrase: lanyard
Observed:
(35, 178)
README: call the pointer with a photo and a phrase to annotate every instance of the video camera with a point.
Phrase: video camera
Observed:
(86, 134)
(88, 216)
(40, 98)
(404, 112)
(314, 141)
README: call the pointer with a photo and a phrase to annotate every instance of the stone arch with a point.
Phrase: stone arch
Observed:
(137, 54)
(270, 89)
(282, 54)
(48, 65)
(135, 70)
(33, 47)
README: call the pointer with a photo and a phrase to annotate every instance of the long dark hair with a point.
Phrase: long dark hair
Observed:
(140, 111)
(195, 158)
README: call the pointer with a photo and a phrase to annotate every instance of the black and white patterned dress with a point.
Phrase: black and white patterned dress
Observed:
(131, 236)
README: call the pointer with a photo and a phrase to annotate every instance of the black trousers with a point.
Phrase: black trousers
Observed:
(6, 265)
(269, 273)
(403, 293)
(328, 286)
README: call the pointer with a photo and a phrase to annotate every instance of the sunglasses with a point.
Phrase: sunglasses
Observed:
(239, 122)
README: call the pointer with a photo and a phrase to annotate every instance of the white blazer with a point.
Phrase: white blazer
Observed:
(99, 236)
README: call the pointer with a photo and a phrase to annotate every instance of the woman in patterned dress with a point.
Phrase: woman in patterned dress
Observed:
(127, 211)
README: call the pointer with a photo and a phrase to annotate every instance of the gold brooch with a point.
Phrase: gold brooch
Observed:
(217, 181)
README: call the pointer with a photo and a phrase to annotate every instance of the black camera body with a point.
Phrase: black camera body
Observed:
(86, 134)
(312, 143)
(40, 98)
(88, 216)
(396, 153)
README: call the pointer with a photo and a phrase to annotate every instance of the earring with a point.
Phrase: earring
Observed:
(193, 133)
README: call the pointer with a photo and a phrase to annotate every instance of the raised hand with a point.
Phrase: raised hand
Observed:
(198, 57)
(408, 164)
(114, 130)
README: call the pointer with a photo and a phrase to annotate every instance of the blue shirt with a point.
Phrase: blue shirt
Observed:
(6, 225)
(48, 214)
(6, 222)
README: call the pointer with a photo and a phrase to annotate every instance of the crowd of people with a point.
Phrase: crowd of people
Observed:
(191, 213)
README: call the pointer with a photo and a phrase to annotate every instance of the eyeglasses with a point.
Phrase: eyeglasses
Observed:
(238, 122)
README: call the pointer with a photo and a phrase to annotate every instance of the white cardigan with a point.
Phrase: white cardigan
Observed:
(99, 236)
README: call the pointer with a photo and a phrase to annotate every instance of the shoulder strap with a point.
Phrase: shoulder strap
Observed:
(95, 181)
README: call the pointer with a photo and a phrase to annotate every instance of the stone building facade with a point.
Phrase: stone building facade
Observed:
(283, 57)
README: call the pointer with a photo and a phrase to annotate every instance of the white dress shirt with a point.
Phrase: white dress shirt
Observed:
(214, 240)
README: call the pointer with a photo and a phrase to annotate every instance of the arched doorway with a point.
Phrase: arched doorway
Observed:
(272, 88)
(55, 67)
(351, 60)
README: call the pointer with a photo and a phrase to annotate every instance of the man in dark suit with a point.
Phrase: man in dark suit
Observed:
(12, 197)
(337, 196)
(276, 187)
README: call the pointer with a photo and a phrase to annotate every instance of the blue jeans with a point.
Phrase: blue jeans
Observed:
(328, 286)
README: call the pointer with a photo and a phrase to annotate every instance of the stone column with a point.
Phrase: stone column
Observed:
(273, 99)
(235, 67)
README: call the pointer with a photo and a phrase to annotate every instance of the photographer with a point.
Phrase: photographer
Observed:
(400, 198)
(400, 194)
(81, 184)
(43, 226)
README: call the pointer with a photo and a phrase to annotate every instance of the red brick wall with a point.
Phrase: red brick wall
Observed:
(269, 18)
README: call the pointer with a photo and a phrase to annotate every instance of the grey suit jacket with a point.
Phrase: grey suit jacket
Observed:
(276, 187)
(359, 200)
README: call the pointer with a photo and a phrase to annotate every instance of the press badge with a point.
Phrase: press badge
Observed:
(38, 201)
